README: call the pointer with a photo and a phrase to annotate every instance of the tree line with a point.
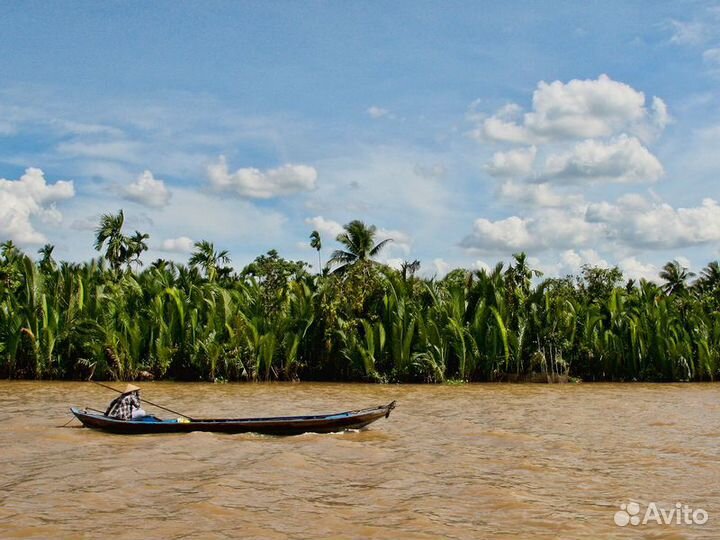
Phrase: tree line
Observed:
(357, 320)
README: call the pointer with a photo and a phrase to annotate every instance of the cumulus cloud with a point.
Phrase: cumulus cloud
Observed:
(621, 160)
(630, 222)
(660, 115)
(684, 262)
(481, 265)
(400, 240)
(30, 196)
(182, 244)
(572, 261)
(641, 223)
(551, 228)
(394, 262)
(632, 268)
(536, 195)
(326, 227)
(441, 267)
(147, 190)
(256, 184)
(513, 163)
(575, 110)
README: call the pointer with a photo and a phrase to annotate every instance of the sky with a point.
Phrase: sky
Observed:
(578, 132)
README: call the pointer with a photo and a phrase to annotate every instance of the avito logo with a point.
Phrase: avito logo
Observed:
(680, 514)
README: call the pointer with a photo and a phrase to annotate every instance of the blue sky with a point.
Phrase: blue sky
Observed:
(467, 131)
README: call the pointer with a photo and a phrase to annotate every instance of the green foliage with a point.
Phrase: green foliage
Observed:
(358, 241)
(368, 322)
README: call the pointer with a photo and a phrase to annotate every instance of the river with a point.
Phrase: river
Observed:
(470, 461)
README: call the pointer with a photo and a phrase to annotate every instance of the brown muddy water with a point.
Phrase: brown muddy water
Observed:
(473, 461)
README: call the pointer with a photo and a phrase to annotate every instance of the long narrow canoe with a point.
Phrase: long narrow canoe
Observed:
(279, 425)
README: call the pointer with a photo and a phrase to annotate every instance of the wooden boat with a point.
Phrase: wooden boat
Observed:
(279, 425)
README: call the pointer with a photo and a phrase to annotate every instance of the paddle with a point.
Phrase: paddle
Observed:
(146, 401)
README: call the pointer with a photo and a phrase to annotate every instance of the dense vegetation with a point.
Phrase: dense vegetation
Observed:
(358, 320)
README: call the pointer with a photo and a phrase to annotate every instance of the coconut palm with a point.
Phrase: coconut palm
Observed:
(359, 242)
(675, 277)
(208, 259)
(47, 263)
(709, 279)
(409, 269)
(109, 235)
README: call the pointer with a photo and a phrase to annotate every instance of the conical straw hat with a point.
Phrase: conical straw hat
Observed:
(130, 388)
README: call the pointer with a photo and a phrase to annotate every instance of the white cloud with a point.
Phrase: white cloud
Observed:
(660, 115)
(513, 163)
(632, 268)
(256, 184)
(497, 129)
(378, 112)
(400, 240)
(30, 196)
(640, 223)
(537, 195)
(572, 261)
(182, 244)
(327, 228)
(630, 222)
(510, 233)
(147, 190)
(684, 262)
(621, 160)
(551, 228)
(441, 268)
(575, 110)
(689, 32)
(394, 262)
(481, 265)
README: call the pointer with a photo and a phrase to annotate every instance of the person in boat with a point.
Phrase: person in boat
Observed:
(127, 406)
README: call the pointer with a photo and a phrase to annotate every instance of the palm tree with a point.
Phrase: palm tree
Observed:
(135, 247)
(47, 263)
(110, 231)
(709, 279)
(160, 264)
(520, 274)
(359, 242)
(208, 259)
(409, 268)
(675, 277)
(316, 243)
(9, 251)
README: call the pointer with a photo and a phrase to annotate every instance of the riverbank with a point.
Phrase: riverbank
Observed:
(365, 323)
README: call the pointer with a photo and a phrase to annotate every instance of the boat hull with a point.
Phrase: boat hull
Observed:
(284, 425)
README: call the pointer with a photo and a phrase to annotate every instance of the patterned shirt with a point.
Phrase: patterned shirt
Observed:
(122, 406)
